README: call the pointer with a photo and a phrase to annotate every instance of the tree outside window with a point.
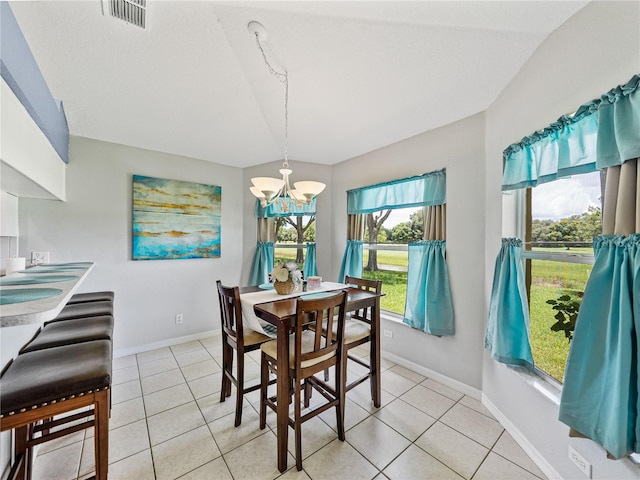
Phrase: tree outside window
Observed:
(294, 230)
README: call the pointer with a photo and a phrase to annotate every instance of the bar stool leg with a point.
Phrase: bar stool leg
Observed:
(101, 438)
(20, 439)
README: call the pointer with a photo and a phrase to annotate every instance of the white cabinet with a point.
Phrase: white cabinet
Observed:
(8, 215)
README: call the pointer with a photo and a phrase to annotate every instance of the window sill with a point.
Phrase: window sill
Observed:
(391, 316)
(550, 389)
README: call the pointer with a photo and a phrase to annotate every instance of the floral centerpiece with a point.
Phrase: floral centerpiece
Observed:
(286, 277)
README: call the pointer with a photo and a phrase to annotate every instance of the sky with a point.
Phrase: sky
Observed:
(398, 216)
(565, 197)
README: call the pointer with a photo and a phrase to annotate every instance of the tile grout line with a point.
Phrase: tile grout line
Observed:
(270, 431)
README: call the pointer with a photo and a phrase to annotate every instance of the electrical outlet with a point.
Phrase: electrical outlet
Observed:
(580, 462)
(39, 257)
(178, 318)
(388, 333)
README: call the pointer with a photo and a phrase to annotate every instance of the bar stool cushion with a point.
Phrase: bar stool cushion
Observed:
(72, 331)
(44, 376)
(80, 310)
(91, 297)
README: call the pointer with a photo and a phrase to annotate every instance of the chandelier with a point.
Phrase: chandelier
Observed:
(275, 190)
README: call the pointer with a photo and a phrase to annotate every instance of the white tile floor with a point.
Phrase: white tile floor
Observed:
(167, 423)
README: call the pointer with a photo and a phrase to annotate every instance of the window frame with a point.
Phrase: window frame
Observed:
(393, 247)
(523, 223)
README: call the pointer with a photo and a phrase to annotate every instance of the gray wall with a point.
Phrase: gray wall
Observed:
(459, 148)
(591, 53)
(95, 224)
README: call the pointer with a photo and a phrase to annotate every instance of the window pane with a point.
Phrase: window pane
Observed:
(394, 281)
(550, 281)
(291, 231)
(567, 213)
(390, 229)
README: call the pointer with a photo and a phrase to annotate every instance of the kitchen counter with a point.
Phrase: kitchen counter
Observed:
(43, 309)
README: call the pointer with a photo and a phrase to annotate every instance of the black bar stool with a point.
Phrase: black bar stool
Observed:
(41, 385)
(91, 297)
(69, 332)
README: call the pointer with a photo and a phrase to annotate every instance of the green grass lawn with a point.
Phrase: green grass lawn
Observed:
(388, 257)
(549, 349)
(549, 281)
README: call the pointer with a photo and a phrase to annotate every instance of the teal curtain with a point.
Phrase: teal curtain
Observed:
(276, 210)
(428, 306)
(262, 263)
(600, 395)
(423, 190)
(602, 133)
(619, 124)
(352, 260)
(566, 147)
(310, 261)
(507, 332)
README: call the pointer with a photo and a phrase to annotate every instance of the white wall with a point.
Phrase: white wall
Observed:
(459, 148)
(591, 53)
(95, 224)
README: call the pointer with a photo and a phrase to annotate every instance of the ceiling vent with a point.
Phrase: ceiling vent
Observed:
(131, 11)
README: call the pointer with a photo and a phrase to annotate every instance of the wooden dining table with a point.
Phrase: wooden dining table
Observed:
(282, 314)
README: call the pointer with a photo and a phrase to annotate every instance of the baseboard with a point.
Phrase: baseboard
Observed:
(439, 377)
(521, 440)
(123, 352)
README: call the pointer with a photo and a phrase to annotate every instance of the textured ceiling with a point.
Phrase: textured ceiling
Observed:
(362, 74)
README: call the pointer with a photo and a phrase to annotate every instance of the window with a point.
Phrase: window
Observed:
(387, 233)
(561, 219)
(291, 235)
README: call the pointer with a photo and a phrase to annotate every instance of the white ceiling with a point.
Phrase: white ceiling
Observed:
(362, 74)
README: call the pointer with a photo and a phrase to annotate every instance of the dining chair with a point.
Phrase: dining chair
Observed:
(357, 331)
(309, 353)
(235, 338)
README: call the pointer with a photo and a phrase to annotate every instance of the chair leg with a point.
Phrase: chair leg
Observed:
(297, 423)
(240, 387)
(307, 393)
(21, 449)
(374, 362)
(340, 387)
(264, 381)
(101, 436)
(225, 379)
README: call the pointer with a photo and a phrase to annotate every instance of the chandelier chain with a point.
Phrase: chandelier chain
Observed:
(283, 78)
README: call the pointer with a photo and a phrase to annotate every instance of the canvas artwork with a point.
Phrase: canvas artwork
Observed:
(173, 219)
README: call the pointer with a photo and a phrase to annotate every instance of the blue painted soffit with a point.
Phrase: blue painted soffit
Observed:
(19, 69)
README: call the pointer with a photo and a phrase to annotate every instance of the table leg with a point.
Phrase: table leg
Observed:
(375, 354)
(282, 394)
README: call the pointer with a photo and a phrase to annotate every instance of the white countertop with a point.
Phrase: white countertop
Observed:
(42, 310)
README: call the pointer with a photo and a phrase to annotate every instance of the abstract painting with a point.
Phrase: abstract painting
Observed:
(173, 219)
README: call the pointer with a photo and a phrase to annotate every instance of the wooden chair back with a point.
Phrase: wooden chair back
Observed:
(326, 349)
(230, 312)
(368, 286)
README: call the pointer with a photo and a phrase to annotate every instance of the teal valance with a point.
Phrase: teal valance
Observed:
(619, 124)
(276, 210)
(602, 133)
(423, 190)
